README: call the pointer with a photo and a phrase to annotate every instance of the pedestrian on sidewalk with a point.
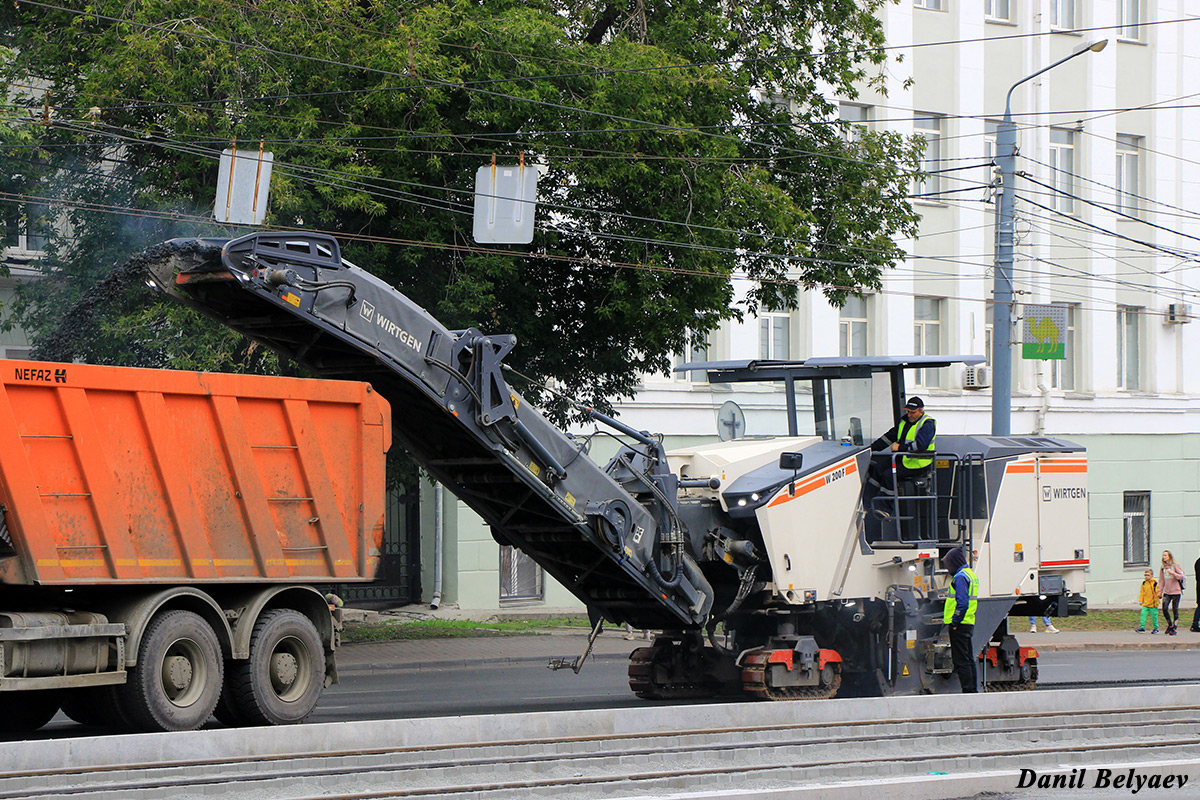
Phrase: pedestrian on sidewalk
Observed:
(1196, 617)
(1047, 625)
(1149, 598)
(1170, 583)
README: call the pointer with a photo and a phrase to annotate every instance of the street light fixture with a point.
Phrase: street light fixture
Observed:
(1002, 290)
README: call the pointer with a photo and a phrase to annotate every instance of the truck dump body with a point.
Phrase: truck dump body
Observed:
(134, 476)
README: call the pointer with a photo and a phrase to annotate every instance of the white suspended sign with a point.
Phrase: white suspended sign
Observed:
(242, 186)
(505, 199)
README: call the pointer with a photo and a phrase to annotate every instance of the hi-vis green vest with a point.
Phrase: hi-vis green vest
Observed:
(910, 435)
(952, 603)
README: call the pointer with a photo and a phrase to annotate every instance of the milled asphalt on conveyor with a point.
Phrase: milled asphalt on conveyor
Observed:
(944, 746)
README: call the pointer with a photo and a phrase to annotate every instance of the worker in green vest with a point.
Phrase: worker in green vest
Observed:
(915, 433)
(959, 614)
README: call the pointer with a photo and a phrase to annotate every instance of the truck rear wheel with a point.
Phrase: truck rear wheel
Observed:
(283, 678)
(178, 677)
(28, 711)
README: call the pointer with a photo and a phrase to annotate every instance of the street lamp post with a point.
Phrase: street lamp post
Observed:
(1002, 290)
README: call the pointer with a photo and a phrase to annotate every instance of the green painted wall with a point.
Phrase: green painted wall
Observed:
(1168, 467)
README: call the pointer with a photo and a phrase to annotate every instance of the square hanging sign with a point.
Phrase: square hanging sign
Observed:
(1045, 332)
(505, 202)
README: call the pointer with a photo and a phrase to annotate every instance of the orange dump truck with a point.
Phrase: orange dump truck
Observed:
(159, 535)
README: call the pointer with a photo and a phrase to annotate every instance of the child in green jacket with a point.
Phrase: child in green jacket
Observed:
(1149, 598)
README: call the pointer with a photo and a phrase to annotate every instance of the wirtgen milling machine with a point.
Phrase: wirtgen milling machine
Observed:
(755, 558)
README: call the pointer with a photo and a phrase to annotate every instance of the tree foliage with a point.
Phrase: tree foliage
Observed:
(664, 171)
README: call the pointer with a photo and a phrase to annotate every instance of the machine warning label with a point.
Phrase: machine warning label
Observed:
(1052, 493)
(58, 375)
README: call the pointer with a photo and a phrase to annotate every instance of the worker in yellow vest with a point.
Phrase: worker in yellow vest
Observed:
(959, 614)
(915, 433)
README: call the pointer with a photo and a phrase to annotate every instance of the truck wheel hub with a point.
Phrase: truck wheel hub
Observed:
(284, 669)
(178, 672)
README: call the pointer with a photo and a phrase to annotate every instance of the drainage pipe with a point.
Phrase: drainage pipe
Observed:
(439, 528)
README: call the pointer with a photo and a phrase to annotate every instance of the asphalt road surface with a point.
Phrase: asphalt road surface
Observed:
(516, 688)
(531, 687)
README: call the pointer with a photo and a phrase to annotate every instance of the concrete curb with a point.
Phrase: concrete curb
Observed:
(330, 739)
(1000, 784)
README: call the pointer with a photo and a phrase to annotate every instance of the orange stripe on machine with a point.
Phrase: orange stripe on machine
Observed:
(814, 482)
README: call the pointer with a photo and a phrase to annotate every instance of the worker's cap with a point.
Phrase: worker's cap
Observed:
(914, 402)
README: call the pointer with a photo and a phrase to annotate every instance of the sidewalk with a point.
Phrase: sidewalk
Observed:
(524, 648)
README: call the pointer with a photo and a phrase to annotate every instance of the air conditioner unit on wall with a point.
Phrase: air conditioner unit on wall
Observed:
(978, 376)
(1177, 314)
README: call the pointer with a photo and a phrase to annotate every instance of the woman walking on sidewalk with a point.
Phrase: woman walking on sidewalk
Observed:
(1170, 582)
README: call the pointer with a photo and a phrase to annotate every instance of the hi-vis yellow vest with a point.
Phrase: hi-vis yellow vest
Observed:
(973, 603)
(910, 435)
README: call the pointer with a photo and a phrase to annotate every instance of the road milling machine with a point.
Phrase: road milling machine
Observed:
(757, 558)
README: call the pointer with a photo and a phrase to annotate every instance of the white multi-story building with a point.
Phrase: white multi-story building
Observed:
(1108, 224)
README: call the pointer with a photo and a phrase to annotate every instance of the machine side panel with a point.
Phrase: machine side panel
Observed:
(804, 532)
(1063, 519)
(1013, 532)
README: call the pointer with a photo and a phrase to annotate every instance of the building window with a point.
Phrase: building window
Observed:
(927, 337)
(852, 327)
(1062, 14)
(1129, 21)
(520, 576)
(1128, 173)
(1062, 167)
(1137, 529)
(697, 351)
(1063, 371)
(775, 337)
(998, 10)
(857, 118)
(932, 5)
(27, 227)
(929, 126)
(1128, 348)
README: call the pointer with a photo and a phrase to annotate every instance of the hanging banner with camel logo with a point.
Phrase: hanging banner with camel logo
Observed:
(1045, 330)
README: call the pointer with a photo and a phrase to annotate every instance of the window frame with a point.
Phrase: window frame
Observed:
(1056, 9)
(1063, 180)
(1130, 31)
(933, 135)
(693, 353)
(19, 232)
(930, 5)
(927, 378)
(1064, 371)
(848, 325)
(767, 335)
(1127, 533)
(853, 127)
(1129, 150)
(1124, 315)
(990, 14)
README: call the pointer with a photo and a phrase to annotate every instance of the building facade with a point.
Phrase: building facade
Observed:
(1107, 225)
